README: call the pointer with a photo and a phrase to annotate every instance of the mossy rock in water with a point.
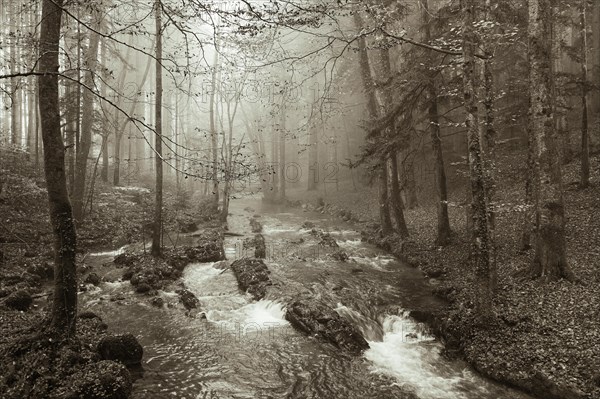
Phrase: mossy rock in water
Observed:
(103, 380)
(188, 299)
(253, 276)
(312, 317)
(123, 348)
(255, 226)
(93, 279)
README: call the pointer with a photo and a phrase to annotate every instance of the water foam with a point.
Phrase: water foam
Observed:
(116, 252)
(408, 354)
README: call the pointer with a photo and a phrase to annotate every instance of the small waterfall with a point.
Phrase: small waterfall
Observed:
(410, 355)
(369, 328)
(114, 253)
(260, 321)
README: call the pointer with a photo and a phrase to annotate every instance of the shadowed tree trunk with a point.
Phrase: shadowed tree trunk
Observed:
(488, 144)
(596, 59)
(443, 222)
(213, 134)
(15, 82)
(282, 153)
(395, 197)
(550, 245)
(64, 304)
(87, 121)
(372, 107)
(157, 225)
(585, 136)
(480, 239)
(313, 157)
(397, 206)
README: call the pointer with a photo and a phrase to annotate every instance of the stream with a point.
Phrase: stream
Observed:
(246, 349)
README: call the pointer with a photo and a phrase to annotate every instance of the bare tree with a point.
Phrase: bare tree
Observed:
(550, 244)
(64, 304)
(157, 225)
(480, 240)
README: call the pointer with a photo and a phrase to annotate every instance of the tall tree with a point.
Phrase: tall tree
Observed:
(443, 221)
(87, 118)
(16, 90)
(550, 244)
(480, 240)
(395, 196)
(585, 135)
(372, 108)
(157, 225)
(282, 138)
(313, 155)
(64, 303)
(488, 139)
(213, 132)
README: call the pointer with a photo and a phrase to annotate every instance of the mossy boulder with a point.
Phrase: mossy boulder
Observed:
(122, 348)
(315, 318)
(19, 300)
(253, 276)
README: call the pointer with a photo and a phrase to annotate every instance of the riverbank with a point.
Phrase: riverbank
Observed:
(546, 336)
(92, 363)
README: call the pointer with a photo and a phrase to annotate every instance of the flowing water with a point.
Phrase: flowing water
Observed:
(246, 349)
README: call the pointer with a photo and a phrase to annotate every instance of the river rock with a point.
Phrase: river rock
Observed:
(143, 288)
(44, 269)
(252, 276)
(255, 226)
(122, 348)
(19, 300)
(260, 247)
(187, 226)
(188, 299)
(206, 251)
(102, 380)
(92, 279)
(308, 225)
(312, 317)
(326, 240)
(339, 255)
(125, 259)
(157, 302)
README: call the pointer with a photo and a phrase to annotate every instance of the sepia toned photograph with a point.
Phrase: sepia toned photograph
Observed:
(300, 199)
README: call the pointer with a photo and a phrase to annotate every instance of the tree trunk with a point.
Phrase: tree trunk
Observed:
(480, 240)
(157, 225)
(105, 162)
(87, 121)
(213, 134)
(15, 82)
(585, 137)
(372, 107)
(313, 157)
(488, 146)
(529, 206)
(550, 246)
(596, 58)
(396, 199)
(274, 163)
(282, 154)
(443, 221)
(64, 304)
(117, 160)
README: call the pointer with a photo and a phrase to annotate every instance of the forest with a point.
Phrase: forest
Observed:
(300, 199)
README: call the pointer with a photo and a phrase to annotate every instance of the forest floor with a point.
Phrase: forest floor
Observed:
(42, 367)
(545, 338)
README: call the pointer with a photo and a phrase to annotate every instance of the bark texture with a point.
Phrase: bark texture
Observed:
(64, 304)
